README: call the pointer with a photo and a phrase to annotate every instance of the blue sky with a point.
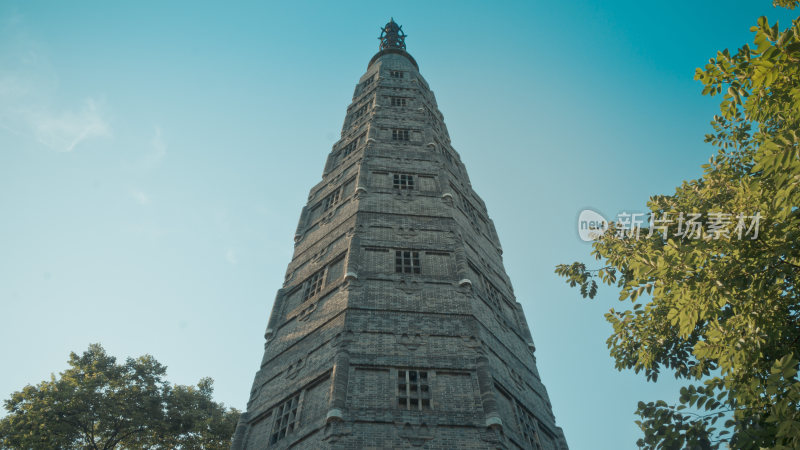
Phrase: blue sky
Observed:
(154, 158)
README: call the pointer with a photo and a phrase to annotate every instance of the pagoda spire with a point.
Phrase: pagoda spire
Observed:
(392, 36)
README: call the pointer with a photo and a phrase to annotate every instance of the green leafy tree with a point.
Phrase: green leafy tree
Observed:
(720, 312)
(99, 404)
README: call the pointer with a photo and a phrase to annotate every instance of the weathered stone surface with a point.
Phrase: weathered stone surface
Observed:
(367, 351)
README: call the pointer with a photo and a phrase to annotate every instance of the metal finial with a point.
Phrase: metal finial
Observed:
(392, 36)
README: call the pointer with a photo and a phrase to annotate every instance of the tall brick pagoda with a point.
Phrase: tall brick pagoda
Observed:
(396, 326)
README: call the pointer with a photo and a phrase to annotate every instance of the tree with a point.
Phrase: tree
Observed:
(720, 311)
(99, 404)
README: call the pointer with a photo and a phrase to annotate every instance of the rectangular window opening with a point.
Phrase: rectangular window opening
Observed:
(359, 112)
(400, 134)
(406, 261)
(413, 390)
(528, 425)
(332, 199)
(398, 101)
(352, 145)
(403, 181)
(287, 419)
(313, 285)
(368, 81)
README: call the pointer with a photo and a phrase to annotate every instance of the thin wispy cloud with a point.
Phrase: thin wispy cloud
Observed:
(12, 87)
(157, 151)
(63, 131)
(139, 196)
(31, 102)
(230, 256)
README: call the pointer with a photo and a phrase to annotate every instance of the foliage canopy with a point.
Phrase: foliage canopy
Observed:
(99, 404)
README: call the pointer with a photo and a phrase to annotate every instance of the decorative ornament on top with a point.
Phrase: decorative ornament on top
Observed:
(392, 36)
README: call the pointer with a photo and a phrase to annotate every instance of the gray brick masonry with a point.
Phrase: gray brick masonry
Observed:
(397, 325)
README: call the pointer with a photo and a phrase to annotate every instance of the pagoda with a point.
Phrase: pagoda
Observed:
(396, 325)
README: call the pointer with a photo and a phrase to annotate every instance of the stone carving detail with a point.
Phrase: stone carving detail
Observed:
(408, 286)
(380, 223)
(303, 315)
(417, 435)
(471, 341)
(350, 277)
(447, 198)
(405, 196)
(295, 368)
(350, 285)
(465, 286)
(328, 217)
(517, 379)
(335, 430)
(406, 232)
(410, 341)
(322, 253)
(316, 261)
(496, 438)
(343, 339)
